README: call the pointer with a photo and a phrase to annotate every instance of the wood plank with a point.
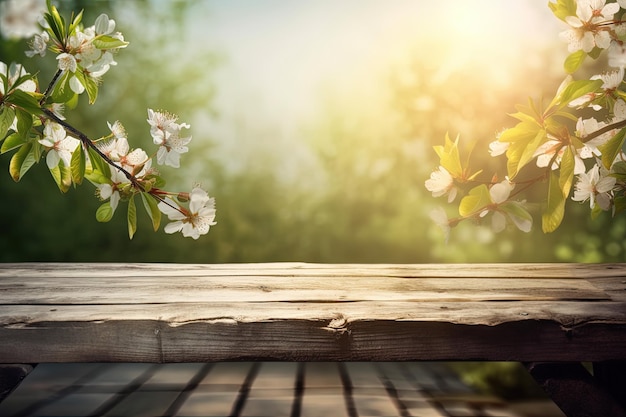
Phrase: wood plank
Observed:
(318, 331)
(566, 314)
(170, 313)
(308, 340)
(137, 290)
(486, 270)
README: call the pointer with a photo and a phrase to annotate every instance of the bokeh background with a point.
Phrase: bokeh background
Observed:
(313, 125)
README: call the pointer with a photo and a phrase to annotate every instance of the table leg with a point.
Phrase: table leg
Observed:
(612, 376)
(574, 390)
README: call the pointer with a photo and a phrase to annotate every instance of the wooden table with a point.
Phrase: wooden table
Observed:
(551, 317)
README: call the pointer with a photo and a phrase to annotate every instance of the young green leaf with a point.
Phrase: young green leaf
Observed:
(77, 165)
(132, 217)
(574, 61)
(62, 93)
(612, 148)
(518, 214)
(108, 42)
(529, 150)
(563, 8)
(13, 141)
(566, 176)
(24, 122)
(92, 89)
(18, 160)
(62, 177)
(476, 200)
(577, 89)
(104, 213)
(152, 209)
(27, 101)
(56, 23)
(75, 22)
(7, 115)
(555, 209)
(520, 137)
(449, 156)
(99, 164)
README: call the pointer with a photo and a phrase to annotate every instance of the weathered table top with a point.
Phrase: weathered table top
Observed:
(309, 312)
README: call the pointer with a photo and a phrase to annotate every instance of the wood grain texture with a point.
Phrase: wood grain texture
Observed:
(294, 311)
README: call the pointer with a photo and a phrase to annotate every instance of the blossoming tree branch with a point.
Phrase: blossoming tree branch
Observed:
(575, 157)
(32, 125)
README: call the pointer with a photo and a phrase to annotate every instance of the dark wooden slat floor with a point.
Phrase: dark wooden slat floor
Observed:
(253, 389)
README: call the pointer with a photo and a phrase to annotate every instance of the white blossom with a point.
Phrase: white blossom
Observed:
(441, 183)
(111, 190)
(104, 25)
(166, 133)
(547, 151)
(497, 148)
(585, 31)
(595, 186)
(38, 45)
(59, 145)
(67, 62)
(195, 221)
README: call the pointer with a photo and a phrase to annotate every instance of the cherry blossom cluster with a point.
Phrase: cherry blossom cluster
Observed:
(32, 124)
(566, 154)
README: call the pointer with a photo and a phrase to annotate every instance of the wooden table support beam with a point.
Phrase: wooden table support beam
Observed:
(11, 376)
(574, 390)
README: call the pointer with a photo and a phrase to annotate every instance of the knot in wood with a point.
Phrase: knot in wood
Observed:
(338, 325)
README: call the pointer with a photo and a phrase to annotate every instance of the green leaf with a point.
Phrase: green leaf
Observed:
(62, 177)
(619, 203)
(24, 122)
(475, 201)
(19, 159)
(75, 22)
(98, 164)
(449, 156)
(518, 214)
(618, 170)
(152, 209)
(574, 61)
(77, 165)
(132, 217)
(62, 93)
(566, 176)
(520, 137)
(577, 89)
(104, 213)
(56, 23)
(563, 8)
(92, 89)
(108, 42)
(7, 115)
(555, 209)
(27, 101)
(595, 52)
(529, 150)
(13, 141)
(611, 148)
(31, 159)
